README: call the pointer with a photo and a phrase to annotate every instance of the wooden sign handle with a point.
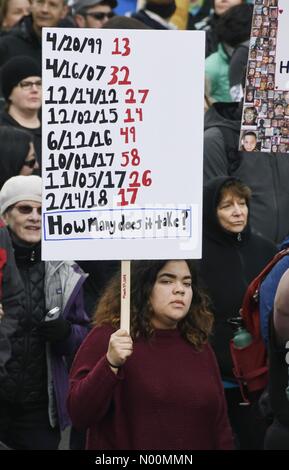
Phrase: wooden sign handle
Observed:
(125, 296)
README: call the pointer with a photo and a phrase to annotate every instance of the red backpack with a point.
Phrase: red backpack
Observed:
(250, 366)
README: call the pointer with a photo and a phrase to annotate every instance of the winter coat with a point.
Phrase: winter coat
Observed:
(63, 288)
(7, 120)
(152, 20)
(21, 41)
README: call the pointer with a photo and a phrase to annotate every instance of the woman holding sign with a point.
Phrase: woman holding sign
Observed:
(158, 388)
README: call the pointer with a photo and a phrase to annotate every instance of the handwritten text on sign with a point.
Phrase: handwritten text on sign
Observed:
(282, 56)
(114, 152)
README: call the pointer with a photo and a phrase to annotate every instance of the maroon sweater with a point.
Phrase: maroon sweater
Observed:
(167, 396)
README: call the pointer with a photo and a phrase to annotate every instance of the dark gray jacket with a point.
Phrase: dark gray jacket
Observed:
(267, 174)
(21, 41)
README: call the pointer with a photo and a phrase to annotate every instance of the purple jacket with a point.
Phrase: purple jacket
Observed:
(63, 288)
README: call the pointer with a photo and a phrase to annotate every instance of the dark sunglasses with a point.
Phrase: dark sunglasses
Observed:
(100, 15)
(25, 209)
(30, 163)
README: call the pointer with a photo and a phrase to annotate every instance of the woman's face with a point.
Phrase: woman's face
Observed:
(250, 96)
(249, 143)
(30, 163)
(171, 295)
(258, 21)
(232, 212)
(272, 33)
(249, 116)
(26, 96)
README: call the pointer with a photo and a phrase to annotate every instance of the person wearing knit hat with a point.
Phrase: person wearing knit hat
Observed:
(33, 394)
(20, 206)
(22, 90)
(157, 13)
(15, 71)
(92, 13)
(20, 188)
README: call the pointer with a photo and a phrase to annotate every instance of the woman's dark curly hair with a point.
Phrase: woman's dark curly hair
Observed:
(195, 327)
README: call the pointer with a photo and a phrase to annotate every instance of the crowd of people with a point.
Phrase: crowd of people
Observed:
(65, 362)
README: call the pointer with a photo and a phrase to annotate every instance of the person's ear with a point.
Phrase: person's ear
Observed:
(5, 217)
(79, 21)
(65, 11)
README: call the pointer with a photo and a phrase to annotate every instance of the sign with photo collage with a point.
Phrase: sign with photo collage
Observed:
(265, 119)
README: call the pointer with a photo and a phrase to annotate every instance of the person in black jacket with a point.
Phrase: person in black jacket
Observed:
(232, 257)
(25, 37)
(33, 392)
(156, 14)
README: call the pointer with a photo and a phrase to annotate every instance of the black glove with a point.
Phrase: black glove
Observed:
(55, 330)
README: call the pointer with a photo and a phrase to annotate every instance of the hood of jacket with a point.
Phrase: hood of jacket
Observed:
(10, 163)
(224, 115)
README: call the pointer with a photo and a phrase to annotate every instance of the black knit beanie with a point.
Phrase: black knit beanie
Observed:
(17, 69)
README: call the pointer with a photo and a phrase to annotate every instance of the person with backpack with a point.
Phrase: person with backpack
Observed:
(232, 257)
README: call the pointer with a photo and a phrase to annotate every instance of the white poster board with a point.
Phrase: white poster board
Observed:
(282, 53)
(122, 144)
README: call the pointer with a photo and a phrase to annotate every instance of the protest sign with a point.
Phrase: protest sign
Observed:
(282, 55)
(122, 144)
(265, 120)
